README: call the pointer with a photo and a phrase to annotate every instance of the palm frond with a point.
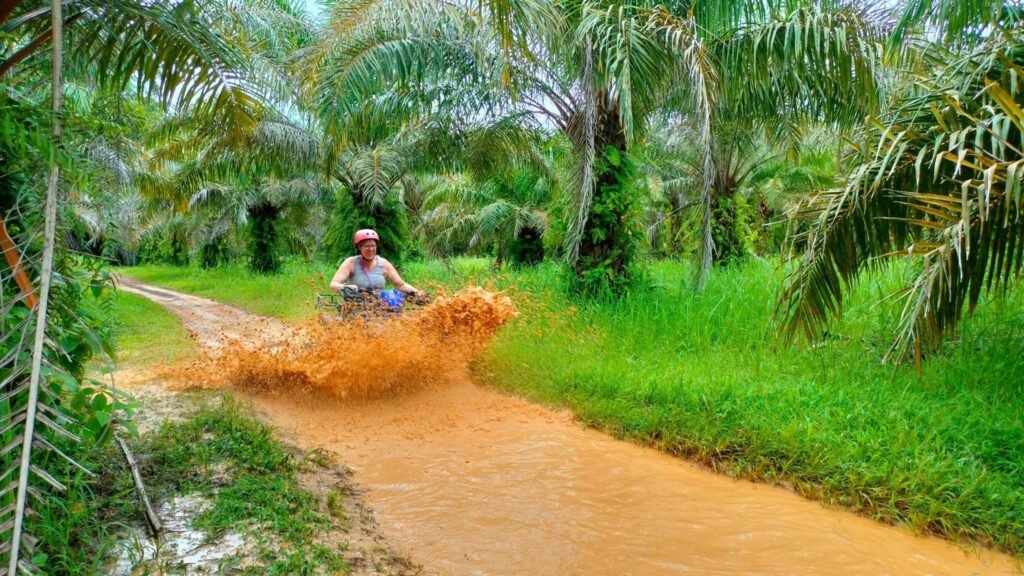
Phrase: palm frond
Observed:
(29, 410)
(963, 23)
(581, 131)
(939, 180)
(808, 65)
(703, 86)
(371, 47)
(629, 59)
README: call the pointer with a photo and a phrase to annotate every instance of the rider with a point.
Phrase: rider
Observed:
(367, 270)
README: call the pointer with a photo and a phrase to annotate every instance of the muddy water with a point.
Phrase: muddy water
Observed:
(469, 481)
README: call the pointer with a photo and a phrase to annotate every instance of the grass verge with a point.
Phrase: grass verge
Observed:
(223, 456)
(146, 333)
(289, 295)
(705, 376)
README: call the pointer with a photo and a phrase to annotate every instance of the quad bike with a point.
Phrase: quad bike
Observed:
(366, 305)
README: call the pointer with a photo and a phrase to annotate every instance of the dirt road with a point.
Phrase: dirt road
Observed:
(469, 481)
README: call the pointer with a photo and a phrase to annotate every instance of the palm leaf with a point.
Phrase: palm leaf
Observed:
(939, 180)
(34, 405)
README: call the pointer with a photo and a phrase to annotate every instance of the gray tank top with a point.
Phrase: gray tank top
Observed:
(372, 279)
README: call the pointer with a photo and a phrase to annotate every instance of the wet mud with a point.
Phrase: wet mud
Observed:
(470, 481)
(381, 355)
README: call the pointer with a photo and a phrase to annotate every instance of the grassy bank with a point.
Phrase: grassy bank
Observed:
(703, 375)
(289, 295)
(251, 482)
(146, 333)
(248, 483)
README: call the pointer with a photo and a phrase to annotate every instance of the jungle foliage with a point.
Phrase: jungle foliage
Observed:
(602, 134)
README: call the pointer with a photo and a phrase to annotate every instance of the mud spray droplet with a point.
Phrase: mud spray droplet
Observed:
(358, 359)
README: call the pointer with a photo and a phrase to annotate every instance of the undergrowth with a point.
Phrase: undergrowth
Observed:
(220, 454)
(226, 456)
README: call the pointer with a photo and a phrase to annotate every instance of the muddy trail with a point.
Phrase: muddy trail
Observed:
(469, 481)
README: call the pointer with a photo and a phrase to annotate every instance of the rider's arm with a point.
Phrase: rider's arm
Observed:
(392, 274)
(343, 273)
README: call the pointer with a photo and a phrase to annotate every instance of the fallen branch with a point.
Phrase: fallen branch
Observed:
(152, 520)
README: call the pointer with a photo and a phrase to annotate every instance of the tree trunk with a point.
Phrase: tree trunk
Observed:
(608, 243)
(263, 234)
(673, 225)
(728, 244)
(527, 248)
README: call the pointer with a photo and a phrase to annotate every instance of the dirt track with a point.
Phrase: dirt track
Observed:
(469, 481)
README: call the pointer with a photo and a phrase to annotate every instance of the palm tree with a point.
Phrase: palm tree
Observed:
(756, 180)
(450, 61)
(179, 53)
(675, 165)
(507, 212)
(937, 179)
(268, 180)
(370, 179)
(597, 71)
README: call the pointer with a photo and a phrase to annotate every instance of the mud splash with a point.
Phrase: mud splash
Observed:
(371, 358)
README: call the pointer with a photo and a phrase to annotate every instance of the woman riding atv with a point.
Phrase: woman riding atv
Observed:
(366, 271)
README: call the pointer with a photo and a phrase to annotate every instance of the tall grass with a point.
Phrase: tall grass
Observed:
(706, 376)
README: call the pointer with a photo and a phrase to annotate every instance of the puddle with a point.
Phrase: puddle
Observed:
(181, 549)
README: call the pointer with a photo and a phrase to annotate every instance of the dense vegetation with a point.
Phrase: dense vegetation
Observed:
(857, 144)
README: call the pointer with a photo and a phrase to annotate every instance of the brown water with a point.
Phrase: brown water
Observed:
(469, 481)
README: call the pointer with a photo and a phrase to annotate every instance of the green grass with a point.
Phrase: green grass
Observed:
(77, 531)
(147, 333)
(220, 453)
(704, 376)
(289, 295)
(258, 494)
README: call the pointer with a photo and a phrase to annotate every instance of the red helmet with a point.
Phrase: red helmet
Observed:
(366, 234)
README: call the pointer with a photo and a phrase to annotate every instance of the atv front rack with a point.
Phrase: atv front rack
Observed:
(364, 304)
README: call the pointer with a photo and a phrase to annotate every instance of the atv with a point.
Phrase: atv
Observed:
(367, 305)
